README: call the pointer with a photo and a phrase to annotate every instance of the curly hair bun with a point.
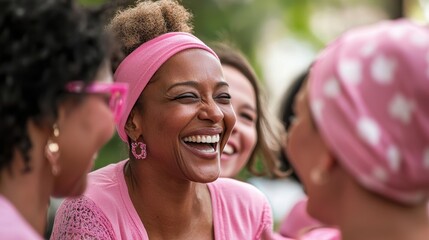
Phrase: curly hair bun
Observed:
(147, 20)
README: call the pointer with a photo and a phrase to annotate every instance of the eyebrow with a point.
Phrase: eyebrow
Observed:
(195, 84)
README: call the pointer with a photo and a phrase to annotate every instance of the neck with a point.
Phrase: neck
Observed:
(28, 192)
(168, 208)
(368, 216)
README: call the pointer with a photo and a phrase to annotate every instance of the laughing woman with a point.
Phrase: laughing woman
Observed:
(176, 123)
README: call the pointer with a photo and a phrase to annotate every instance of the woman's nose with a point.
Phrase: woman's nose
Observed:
(211, 111)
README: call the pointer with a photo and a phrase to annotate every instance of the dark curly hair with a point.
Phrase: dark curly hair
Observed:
(44, 45)
(147, 20)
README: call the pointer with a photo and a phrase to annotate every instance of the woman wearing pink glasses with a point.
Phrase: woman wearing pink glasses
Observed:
(176, 122)
(54, 81)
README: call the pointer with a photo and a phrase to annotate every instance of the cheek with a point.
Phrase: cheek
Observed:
(99, 123)
(87, 129)
(248, 138)
(229, 118)
(296, 144)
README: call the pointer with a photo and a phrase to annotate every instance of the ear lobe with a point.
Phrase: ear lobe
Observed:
(133, 126)
(325, 165)
(52, 150)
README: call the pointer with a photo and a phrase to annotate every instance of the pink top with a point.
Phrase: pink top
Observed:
(240, 211)
(322, 234)
(12, 225)
(298, 221)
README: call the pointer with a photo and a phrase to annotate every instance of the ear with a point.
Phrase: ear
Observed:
(133, 126)
(326, 163)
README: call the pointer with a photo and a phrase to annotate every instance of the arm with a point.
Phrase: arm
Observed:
(80, 218)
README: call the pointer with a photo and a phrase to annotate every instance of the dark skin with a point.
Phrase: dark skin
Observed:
(168, 189)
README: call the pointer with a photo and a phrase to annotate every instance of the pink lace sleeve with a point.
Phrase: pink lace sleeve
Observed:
(80, 218)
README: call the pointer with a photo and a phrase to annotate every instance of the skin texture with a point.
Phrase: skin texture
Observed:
(244, 136)
(189, 86)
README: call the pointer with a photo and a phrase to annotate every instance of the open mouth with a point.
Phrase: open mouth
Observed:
(228, 149)
(203, 143)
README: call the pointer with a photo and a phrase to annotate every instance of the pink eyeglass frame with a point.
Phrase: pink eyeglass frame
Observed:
(117, 93)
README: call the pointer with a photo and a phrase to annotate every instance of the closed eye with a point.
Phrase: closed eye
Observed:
(224, 98)
(247, 117)
(187, 98)
(186, 95)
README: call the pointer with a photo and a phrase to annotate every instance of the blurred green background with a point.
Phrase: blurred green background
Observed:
(280, 37)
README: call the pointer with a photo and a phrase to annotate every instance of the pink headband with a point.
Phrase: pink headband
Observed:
(140, 65)
(369, 94)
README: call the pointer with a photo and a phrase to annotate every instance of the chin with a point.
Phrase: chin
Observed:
(206, 178)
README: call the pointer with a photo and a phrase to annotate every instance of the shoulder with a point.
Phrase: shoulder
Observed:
(107, 174)
(236, 196)
(234, 189)
(12, 224)
(105, 183)
(240, 209)
(81, 217)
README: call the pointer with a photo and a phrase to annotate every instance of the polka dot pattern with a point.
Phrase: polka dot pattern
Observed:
(368, 49)
(397, 32)
(394, 158)
(317, 107)
(401, 108)
(419, 39)
(368, 130)
(382, 69)
(369, 93)
(331, 88)
(350, 71)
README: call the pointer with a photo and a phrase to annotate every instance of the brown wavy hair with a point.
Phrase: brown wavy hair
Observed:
(267, 128)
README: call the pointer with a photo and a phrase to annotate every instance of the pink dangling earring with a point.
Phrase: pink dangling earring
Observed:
(142, 146)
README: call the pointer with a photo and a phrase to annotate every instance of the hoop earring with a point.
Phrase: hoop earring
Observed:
(142, 149)
(52, 150)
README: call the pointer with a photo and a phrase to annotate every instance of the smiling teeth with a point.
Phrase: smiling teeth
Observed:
(202, 139)
(228, 149)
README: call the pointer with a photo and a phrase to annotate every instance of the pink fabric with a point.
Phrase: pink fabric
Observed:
(240, 211)
(140, 65)
(298, 221)
(369, 93)
(321, 234)
(13, 225)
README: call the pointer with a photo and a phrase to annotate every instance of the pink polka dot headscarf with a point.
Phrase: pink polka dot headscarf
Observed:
(369, 95)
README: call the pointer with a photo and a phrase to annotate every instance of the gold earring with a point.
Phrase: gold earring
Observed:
(52, 150)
